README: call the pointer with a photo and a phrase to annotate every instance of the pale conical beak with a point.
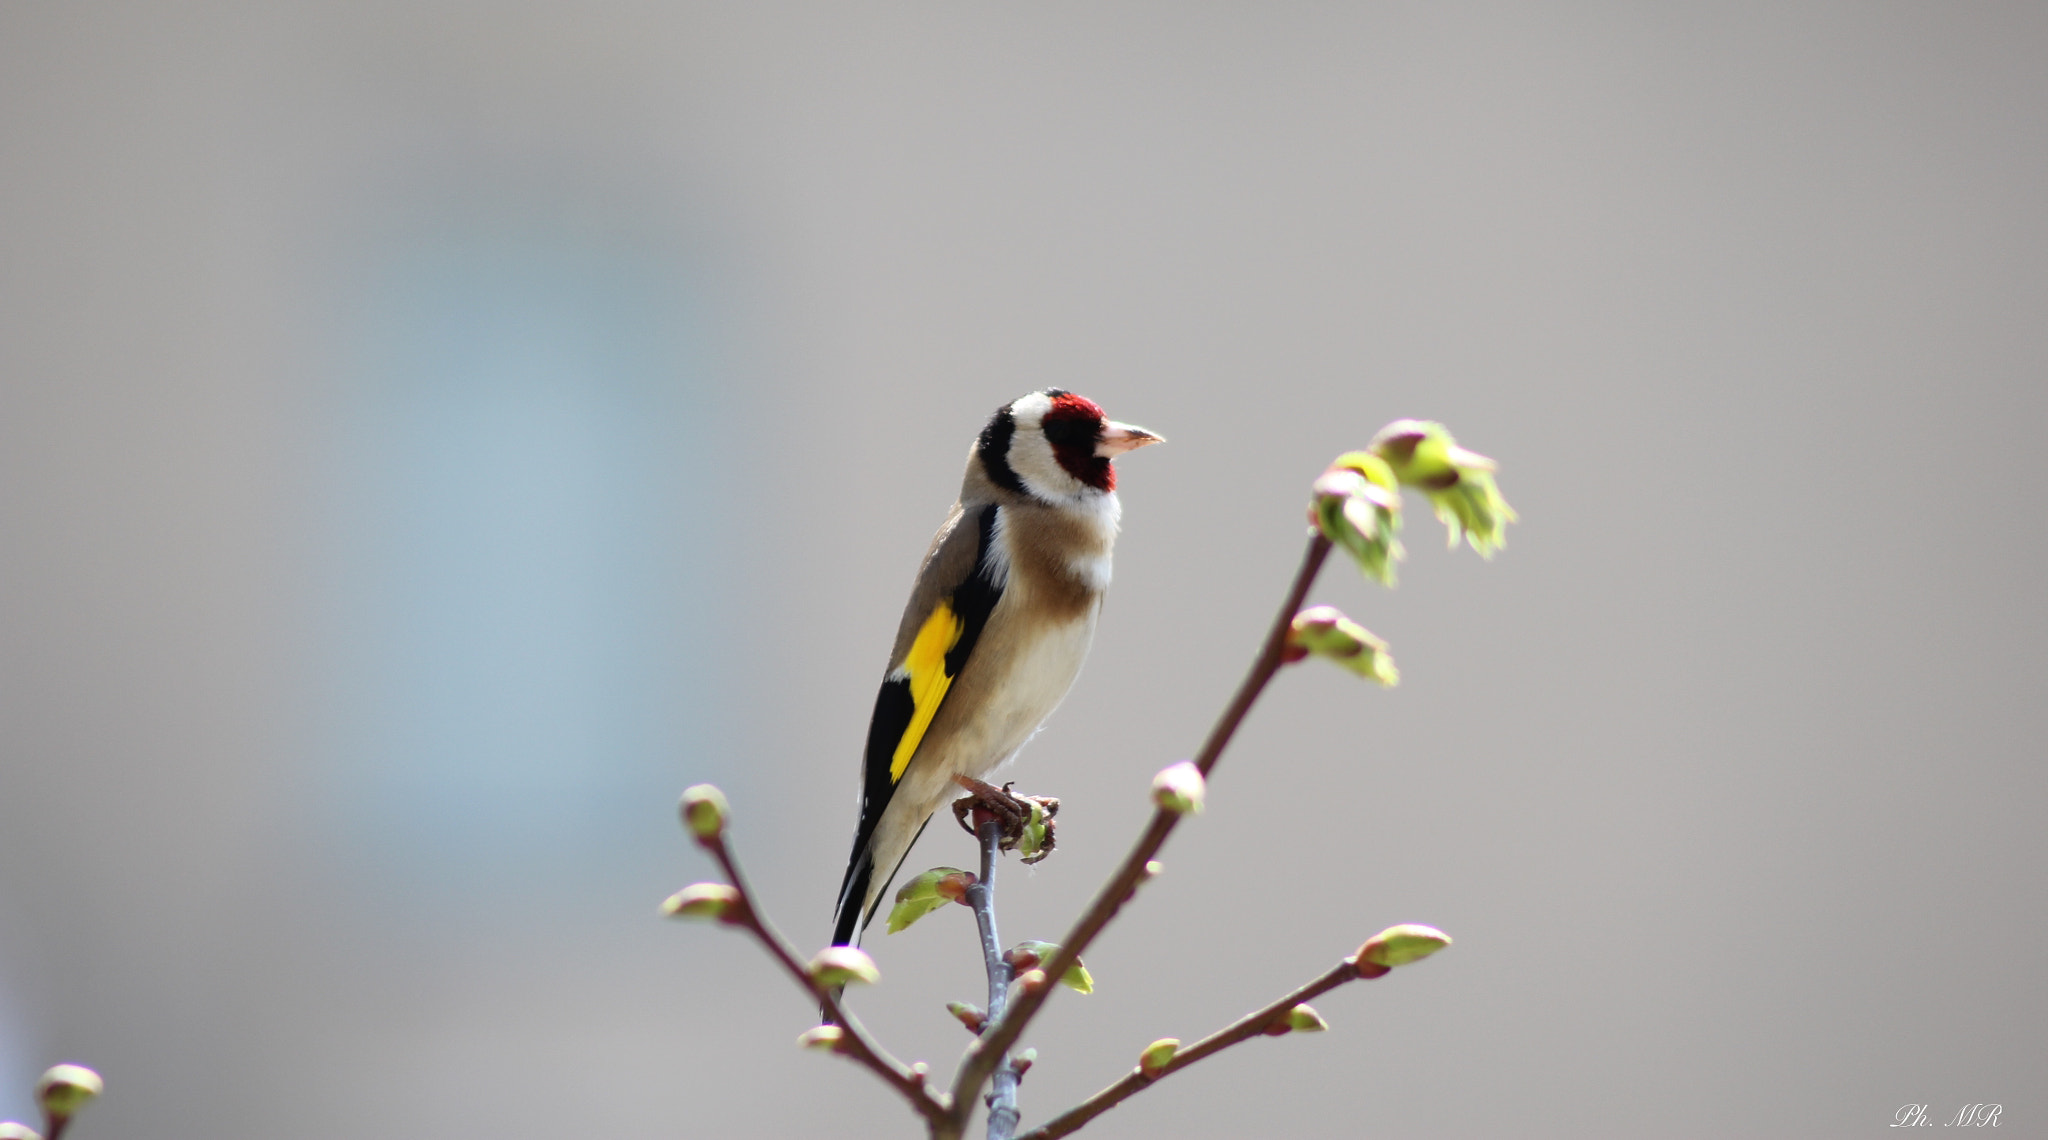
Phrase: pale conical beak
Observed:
(1118, 438)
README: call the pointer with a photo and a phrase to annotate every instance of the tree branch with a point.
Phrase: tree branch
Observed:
(1002, 1097)
(855, 1043)
(1254, 1024)
(994, 1045)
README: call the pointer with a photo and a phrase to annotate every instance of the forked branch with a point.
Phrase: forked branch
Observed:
(1258, 1023)
(842, 1031)
(994, 1046)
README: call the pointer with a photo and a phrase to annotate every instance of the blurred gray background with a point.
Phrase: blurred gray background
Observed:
(435, 434)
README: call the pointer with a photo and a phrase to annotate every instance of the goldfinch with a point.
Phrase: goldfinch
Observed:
(997, 626)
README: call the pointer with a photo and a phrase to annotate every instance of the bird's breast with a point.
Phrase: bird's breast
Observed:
(1002, 698)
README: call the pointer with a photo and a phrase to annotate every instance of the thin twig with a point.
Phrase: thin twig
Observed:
(1245, 1028)
(991, 1049)
(1002, 1096)
(855, 1043)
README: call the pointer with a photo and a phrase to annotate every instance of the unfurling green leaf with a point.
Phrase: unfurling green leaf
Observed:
(1400, 945)
(1029, 955)
(704, 810)
(1323, 631)
(1458, 483)
(928, 892)
(1158, 1055)
(1180, 788)
(705, 900)
(1031, 844)
(1357, 506)
(841, 965)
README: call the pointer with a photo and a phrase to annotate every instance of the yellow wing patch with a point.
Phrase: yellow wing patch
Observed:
(925, 665)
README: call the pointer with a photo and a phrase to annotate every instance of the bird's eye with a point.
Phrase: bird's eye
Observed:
(1070, 431)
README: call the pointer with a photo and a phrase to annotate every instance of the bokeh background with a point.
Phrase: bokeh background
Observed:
(435, 434)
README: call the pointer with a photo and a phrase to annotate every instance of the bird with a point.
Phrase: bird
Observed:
(998, 623)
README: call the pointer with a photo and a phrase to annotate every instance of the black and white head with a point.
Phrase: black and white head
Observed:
(1056, 447)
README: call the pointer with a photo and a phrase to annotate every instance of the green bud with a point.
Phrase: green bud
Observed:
(1029, 955)
(65, 1089)
(16, 1130)
(705, 900)
(826, 1037)
(1031, 844)
(1356, 504)
(840, 965)
(1180, 788)
(1304, 1018)
(928, 892)
(1158, 1055)
(1325, 632)
(1458, 483)
(971, 1016)
(1400, 945)
(704, 810)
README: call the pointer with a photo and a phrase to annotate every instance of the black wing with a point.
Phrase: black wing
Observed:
(972, 603)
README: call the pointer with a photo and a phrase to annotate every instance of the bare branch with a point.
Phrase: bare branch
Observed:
(855, 1043)
(994, 1045)
(1254, 1024)
(1002, 1097)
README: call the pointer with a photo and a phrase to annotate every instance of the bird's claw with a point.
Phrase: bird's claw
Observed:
(1009, 810)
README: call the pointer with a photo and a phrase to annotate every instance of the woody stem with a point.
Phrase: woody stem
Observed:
(993, 1047)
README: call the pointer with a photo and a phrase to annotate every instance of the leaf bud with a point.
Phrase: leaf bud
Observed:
(1029, 955)
(826, 1037)
(704, 810)
(1400, 945)
(1180, 788)
(972, 1016)
(1157, 1056)
(1325, 632)
(64, 1089)
(842, 965)
(705, 900)
(1304, 1018)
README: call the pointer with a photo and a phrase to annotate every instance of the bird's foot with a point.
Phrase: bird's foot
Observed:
(1026, 821)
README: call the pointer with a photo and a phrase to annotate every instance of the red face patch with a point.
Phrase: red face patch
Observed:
(1072, 425)
(1067, 406)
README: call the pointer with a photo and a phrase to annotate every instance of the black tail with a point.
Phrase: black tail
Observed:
(847, 919)
(852, 917)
